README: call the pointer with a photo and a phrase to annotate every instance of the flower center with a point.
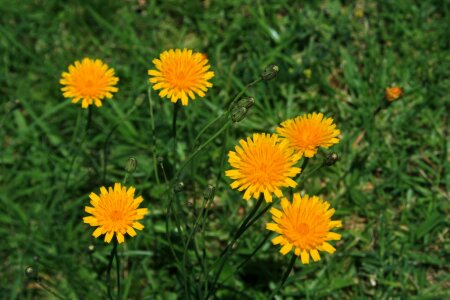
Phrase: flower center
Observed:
(116, 215)
(303, 228)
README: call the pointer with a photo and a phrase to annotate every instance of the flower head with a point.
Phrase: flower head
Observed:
(305, 226)
(115, 211)
(393, 93)
(181, 73)
(308, 132)
(89, 81)
(262, 165)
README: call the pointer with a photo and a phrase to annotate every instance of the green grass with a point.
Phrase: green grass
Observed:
(390, 188)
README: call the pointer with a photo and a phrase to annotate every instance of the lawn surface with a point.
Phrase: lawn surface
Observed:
(390, 187)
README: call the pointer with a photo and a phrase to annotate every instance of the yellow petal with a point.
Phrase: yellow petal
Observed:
(131, 231)
(277, 213)
(109, 236)
(304, 257)
(286, 248)
(138, 225)
(333, 236)
(120, 237)
(278, 240)
(97, 232)
(314, 254)
(328, 248)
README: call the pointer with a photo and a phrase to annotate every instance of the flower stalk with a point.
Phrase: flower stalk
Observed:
(285, 276)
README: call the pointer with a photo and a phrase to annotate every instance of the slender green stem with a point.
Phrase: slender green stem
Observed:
(198, 150)
(247, 259)
(243, 227)
(285, 276)
(227, 112)
(225, 253)
(176, 108)
(304, 163)
(214, 121)
(222, 157)
(79, 147)
(242, 92)
(260, 214)
(118, 274)
(89, 118)
(105, 151)
(108, 271)
(153, 143)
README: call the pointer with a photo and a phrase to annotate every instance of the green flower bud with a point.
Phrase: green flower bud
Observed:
(30, 273)
(131, 165)
(179, 186)
(238, 114)
(331, 159)
(270, 72)
(209, 192)
(91, 248)
(246, 102)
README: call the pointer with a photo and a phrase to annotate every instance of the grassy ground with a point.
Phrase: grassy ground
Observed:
(390, 187)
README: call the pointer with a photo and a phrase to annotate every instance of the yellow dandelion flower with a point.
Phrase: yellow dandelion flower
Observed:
(115, 211)
(262, 165)
(304, 226)
(89, 81)
(181, 73)
(308, 132)
(393, 93)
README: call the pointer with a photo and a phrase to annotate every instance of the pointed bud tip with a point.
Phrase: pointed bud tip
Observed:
(331, 159)
(209, 192)
(30, 272)
(179, 186)
(246, 102)
(270, 72)
(91, 248)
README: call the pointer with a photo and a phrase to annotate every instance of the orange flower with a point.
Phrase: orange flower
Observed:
(180, 74)
(307, 133)
(115, 211)
(89, 81)
(262, 164)
(305, 226)
(393, 93)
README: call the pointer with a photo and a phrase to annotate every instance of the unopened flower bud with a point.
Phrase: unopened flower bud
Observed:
(246, 102)
(270, 72)
(238, 114)
(91, 248)
(209, 192)
(139, 100)
(131, 165)
(178, 187)
(331, 159)
(30, 273)
(393, 93)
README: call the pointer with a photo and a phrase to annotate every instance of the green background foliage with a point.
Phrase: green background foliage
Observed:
(390, 187)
